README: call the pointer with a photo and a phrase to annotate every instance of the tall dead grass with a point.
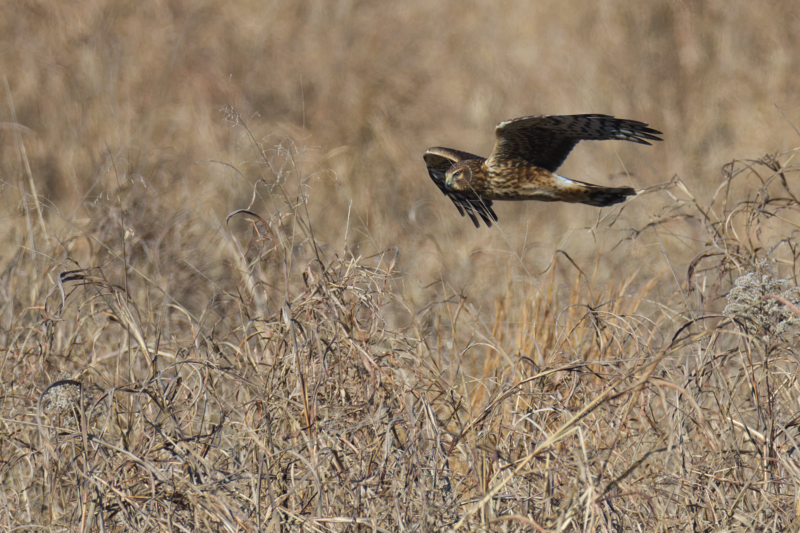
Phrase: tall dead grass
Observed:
(268, 319)
(306, 392)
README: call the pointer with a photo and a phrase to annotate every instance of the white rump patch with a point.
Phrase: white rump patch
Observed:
(562, 180)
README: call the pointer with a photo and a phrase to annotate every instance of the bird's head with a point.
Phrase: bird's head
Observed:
(458, 177)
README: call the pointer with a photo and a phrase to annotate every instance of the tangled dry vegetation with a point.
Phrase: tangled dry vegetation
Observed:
(287, 337)
(267, 381)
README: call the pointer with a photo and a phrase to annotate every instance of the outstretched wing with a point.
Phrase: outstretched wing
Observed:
(547, 140)
(439, 160)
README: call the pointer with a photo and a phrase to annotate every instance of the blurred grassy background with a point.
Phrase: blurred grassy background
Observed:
(131, 115)
(363, 88)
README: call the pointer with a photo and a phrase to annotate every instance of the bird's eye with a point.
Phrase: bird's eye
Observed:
(457, 173)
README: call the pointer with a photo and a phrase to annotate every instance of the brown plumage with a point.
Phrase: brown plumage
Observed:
(522, 166)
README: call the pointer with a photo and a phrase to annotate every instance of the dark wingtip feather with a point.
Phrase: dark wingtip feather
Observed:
(484, 209)
(471, 206)
(640, 133)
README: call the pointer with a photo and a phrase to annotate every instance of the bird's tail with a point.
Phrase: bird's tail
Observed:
(600, 196)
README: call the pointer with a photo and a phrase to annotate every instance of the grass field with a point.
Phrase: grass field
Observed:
(231, 299)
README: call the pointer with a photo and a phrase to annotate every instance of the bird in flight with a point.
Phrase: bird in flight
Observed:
(523, 164)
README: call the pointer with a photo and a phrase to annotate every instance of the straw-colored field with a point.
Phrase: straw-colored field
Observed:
(231, 298)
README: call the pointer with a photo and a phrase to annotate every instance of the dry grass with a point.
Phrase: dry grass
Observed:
(270, 320)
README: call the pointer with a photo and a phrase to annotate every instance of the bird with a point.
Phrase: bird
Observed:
(523, 164)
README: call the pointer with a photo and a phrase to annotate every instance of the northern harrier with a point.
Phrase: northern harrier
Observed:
(524, 161)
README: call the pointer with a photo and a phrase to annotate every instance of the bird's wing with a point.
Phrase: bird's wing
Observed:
(439, 160)
(547, 140)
